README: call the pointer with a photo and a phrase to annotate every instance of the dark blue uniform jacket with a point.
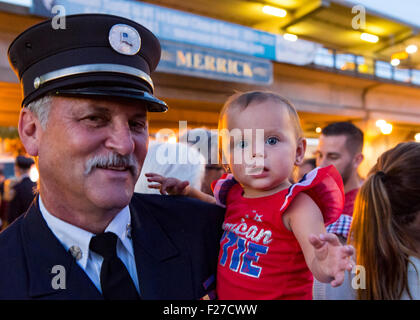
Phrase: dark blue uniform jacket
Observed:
(175, 240)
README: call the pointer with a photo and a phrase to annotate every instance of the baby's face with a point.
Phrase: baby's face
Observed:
(263, 147)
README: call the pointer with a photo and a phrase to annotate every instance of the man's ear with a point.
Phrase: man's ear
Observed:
(357, 160)
(30, 131)
(300, 151)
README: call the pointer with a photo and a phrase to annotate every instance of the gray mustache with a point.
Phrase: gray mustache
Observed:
(112, 160)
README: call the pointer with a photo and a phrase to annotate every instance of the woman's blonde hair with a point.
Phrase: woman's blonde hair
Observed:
(241, 100)
(381, 231)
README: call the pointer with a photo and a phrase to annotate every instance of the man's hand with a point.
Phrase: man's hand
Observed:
(172, 186)
(332, 258)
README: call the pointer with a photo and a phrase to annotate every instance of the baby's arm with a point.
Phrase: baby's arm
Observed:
(325, 256)
(174, 186)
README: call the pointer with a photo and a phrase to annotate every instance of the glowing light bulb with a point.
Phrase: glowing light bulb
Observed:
(395, 62)
(274, 11)
(369, 37)
(412, 48)
(386, 128)
(290, 37)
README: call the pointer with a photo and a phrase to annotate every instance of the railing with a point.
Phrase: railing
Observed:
(364, 66)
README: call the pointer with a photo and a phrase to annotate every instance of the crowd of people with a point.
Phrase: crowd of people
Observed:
(17, 192)
(123, 219)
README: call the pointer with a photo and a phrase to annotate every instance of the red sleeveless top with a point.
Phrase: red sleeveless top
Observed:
(259, 257)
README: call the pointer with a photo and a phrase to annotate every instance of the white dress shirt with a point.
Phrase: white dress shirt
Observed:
(91, 262)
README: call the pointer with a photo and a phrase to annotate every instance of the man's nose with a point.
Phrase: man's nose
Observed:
(120, 139)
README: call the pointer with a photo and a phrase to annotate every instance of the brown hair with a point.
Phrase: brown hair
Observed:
(354, 136)
(242, 100)
(381, 231)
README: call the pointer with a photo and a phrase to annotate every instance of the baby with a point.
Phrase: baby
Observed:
(274, 238)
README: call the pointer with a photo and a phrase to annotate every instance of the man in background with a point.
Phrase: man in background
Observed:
(341, 144)
(22, 193)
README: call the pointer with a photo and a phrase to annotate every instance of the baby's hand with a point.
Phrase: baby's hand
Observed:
(332, 256)
(172, 186)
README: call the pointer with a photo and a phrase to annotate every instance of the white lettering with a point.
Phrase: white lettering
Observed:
(58, 281)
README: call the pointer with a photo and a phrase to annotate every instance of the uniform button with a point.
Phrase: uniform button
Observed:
(76, 252)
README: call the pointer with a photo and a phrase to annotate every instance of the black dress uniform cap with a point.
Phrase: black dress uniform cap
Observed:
(94, 55)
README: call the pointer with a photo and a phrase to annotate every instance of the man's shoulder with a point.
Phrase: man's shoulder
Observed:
(13, 267)
(10, 243)
(10, 235)
(173, 201)
(179, 207)
(25, 184)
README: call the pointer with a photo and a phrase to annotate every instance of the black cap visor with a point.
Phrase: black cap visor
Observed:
(153, 104)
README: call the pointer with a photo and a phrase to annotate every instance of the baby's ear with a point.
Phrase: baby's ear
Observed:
(300, 151)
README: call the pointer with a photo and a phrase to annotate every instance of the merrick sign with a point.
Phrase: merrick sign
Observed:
(214, 64)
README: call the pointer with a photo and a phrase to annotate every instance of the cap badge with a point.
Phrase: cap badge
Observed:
(124, 39)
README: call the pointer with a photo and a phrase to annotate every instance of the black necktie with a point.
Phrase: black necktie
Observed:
(116, 282)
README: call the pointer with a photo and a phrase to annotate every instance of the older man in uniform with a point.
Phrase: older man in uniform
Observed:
(87, 90)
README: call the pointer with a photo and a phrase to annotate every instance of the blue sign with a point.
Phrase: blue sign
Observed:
(173, 25)
(213, 64)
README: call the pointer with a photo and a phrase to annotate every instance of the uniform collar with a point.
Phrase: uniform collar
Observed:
(70, 235)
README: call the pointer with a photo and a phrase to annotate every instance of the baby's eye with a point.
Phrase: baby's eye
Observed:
(272, 141)
(242, 144)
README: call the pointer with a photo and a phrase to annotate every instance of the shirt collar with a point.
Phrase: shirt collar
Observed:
(70, 235)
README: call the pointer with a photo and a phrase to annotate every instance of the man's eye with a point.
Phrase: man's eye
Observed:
(242, 144)
(94, 118)
(137, 126)
(97, 120)
(272, 141)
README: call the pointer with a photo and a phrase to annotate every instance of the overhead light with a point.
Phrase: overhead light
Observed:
(318, 130)
(385, 127)
(395, 62)
(380, 123)
(274, 11)
(290, 37)
(417, 136)
(369, 37)
(412, 48)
